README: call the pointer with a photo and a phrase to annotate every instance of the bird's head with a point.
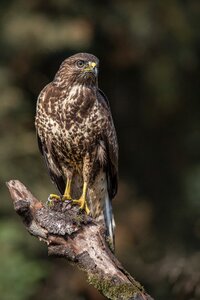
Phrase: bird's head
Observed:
(81, 68)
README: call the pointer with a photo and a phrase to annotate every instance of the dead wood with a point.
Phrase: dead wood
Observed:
(76, 237)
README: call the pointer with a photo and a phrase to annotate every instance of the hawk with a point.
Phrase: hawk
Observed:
(77, 139)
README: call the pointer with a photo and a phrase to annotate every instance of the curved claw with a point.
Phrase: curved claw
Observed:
(83, 204)
(87, 209)
(51, 198)
(49, 202)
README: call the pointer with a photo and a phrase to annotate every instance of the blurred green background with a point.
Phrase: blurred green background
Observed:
(150, 70)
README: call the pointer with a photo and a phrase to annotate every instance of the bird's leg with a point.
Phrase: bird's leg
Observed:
(67, 193)
(82, 200)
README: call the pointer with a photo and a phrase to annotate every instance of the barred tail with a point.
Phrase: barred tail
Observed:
(110, 222)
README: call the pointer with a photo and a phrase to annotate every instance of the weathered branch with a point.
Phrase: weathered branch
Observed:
(76, 237)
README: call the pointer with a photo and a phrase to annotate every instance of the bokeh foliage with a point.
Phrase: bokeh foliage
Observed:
(149, 53)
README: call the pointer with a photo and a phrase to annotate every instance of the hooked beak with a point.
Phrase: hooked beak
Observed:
(91, 67)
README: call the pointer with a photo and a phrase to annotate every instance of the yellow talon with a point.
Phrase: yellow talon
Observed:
(82, 201)
(54, 196)
(83, 204)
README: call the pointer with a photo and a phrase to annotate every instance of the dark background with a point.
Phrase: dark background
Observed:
(149, 53)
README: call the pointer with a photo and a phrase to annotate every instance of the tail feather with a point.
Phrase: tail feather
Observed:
(110, 222)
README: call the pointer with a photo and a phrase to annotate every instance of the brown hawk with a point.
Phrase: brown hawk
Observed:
(77, 138)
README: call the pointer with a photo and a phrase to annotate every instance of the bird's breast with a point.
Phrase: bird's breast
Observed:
(76, 125)
(82, 135)
(81, 120)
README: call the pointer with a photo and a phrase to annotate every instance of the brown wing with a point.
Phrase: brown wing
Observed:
(110, 140)
(45, 147)
(52, 167)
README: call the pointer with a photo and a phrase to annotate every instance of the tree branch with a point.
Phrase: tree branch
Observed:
(76, 237)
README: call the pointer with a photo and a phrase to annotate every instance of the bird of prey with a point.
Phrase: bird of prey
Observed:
(77, 139)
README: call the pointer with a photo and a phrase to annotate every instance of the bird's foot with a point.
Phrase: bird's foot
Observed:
(66, 197)
(52, 198)
(82, 203)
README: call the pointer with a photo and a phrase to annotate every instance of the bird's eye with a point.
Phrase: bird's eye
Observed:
(80, 63)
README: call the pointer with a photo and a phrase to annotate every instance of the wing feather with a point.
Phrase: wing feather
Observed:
(54, 173)
(45, 147)
(109, 138)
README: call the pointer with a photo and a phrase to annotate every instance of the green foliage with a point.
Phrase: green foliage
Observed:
(19, 274)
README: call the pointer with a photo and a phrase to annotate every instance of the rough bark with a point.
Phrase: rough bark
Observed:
(75, 236)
